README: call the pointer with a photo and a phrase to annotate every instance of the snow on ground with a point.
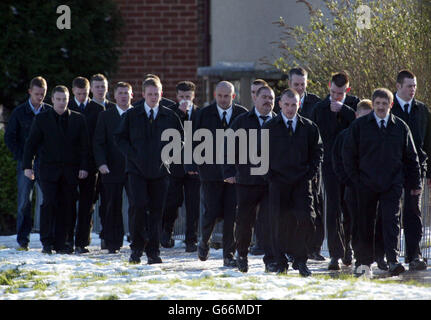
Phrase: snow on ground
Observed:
(99, 275)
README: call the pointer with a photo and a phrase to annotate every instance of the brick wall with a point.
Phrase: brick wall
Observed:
(160, 37)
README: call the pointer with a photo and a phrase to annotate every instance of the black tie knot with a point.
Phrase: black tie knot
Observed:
(406, 108)
(264, 118)
(82, 106)
(290, 127)
(223, 120)
(151, 117)
(382, 124)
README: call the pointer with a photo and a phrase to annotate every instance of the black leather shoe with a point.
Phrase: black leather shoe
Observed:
(333, 264)
(347, 260)
(166, 240)
(417, 264)
(154, 260)
(302, 268)
(113, 251)
(381, 264)
(202, 253)
(191, 247)
(229, 262)
(135, 257)
(80, 250)
(242, 263)
(256, 251)
(395, 268)
(271, 267)
(316, 256)
(47, 249)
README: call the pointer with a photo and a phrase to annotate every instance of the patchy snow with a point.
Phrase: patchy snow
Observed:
(99, 275)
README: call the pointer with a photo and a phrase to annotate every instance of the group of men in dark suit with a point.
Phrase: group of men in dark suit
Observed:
(85, 148)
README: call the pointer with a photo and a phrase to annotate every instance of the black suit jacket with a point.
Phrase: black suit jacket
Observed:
(18, 128)
(108, 104)
(331, 124)
(105, 150)
(91, 112)
(379, 159)
(242, 172)
(310, 101)
(419, 122)
(209, 118)
(61, 152)
(293, 158)
(141, 142)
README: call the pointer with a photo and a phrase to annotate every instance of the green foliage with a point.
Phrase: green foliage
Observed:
(398, 38)
(31, 44)
(8, 191)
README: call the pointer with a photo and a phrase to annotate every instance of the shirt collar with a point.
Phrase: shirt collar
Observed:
(402, 102)
(228, 111)
(78, 104)
(148, 108)
(379, 119)
(33, 108)
(258, 114)
(294, 120)
(121, 111)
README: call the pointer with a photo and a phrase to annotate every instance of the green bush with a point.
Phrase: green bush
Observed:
(32, 45)
(398, 38)
(8, 191)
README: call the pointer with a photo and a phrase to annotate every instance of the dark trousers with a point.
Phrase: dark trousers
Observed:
(56, 214)
(319, 228)
(334, 226)
(249, 197)
(220, 203)
(113, 220)
(352, 204)
(412, 224)
(347, 223)
(368, 201)
(147, 197)
(186, 188)
(82, 222)
(290, 220)
(100, 191)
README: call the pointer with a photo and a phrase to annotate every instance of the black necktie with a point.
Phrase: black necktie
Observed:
(223, 120)
(151, 117)
(264, 118)
(82, 106)
(406, 111)
(382, 126)
(290, 127)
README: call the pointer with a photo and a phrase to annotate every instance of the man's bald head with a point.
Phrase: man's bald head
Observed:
(224, 94)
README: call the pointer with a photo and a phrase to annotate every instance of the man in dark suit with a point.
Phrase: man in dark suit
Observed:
(298, 80)
(87, 187)
(17, 131)
(139, 138)
(350, 201)
(295, 153)
(99, 89)
(417, 116)
(332, 115)
(219, 196)
(61, 138)
(379, 157)
(251, 190)
(111, 164)
(163, 101)
(183, 184)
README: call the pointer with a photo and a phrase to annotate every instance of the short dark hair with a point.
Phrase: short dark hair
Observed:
(340, 79)
(151, 75)
(81, 83)
(298, 71)
(38, 82)
(123, 84)
(404, 74)
(260, 82)
(60, 88)
(383, 93)
(290, 93)
(98, 77)
(264, 87)
(365, 104)
(185, 86)
(151, 82)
